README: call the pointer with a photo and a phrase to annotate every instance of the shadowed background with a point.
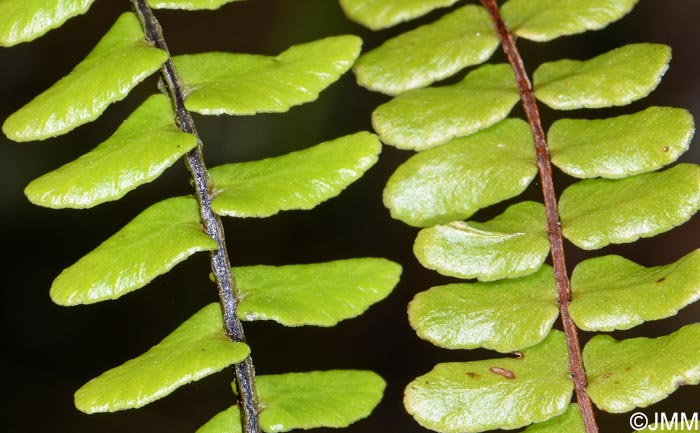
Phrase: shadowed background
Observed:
(48, 351)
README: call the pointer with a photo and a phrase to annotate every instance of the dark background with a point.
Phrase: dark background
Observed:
(49, 351)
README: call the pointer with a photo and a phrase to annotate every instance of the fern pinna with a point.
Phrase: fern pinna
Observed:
(156, 135)
(472, 156)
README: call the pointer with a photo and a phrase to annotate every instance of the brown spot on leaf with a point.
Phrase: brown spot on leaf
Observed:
(661, 280)
(472, 375)
(606, 375)
(503, 372)
(665, 148)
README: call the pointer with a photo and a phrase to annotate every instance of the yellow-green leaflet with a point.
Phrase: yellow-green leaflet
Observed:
(424, 118)
(151, 244)
(244, 84)
(147, 143)
(504, 315)
(544, 20)
(501, 393)
(320, 294)
(26, 20)
(513, 244)
(438, 50)
(621, 146)
(191, 5)
(618, 77)
(334, 398)
(611, 292)
(570, 422)
(452, 181)
(379, 14)
(196, 349)
(120, 61)
(297, 180)
(650, 367)
(598, 212)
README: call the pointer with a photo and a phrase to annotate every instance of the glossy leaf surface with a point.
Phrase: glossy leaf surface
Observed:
(425, 118)
(196, 349)
(505, 315)
(226, 421)
(320, 294)
(453, 181)
(438, 50)
(621, 146)
(598, 212)
(618, 77)
(191, 5)
(26, 20)
(638, 372)
(298, 180)
(513, 244)
(570, 422)
(504, 393)
(611, 292)
(379, 14)
(142, 148)
(151, 244)
(242, 84)
(116, 65)
(334, 398)
(544, 20)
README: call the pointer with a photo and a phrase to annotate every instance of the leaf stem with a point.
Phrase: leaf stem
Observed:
(220, 264)
(556, 240)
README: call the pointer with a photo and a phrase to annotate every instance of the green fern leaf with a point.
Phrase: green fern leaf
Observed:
(151, 244)
(196, 349)
(570, 422)
(544, 20)
(379, 14)
(424, 118)
(438, 50)
(513, 244)
(320, 294)
(298, 180)
(611, 292)
(116, 65)
(505, 316)
(618, 77)
(334, 398)
(142, 148)
(190, 5)
(621, 146)
(598, 212)
(241, 84)
(26, 20)
(504, 393)
(637, 372)
(453, 181)
(226, 421)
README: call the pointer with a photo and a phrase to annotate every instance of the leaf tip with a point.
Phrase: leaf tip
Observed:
(15, 131)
